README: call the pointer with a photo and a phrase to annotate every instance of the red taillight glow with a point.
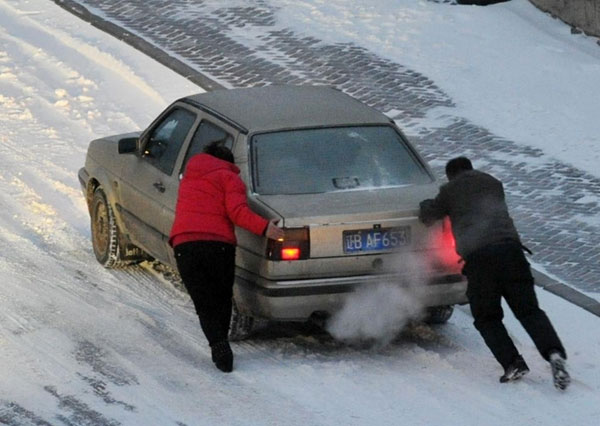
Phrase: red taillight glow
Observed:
(290, 253)
(447, 234)
(448, 256)
(295, 245)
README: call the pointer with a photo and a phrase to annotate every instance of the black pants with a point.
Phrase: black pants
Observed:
(497, 271)
(207, 269)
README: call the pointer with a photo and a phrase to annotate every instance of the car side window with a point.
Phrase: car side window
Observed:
(206, 133)
(166, 139)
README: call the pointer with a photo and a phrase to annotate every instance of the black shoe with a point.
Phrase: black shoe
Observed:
(559, 372)
(222, 356)
(517, 369)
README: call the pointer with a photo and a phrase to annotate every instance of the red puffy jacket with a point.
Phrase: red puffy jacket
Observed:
(211, 200)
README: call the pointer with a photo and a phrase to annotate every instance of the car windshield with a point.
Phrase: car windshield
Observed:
(333, 159)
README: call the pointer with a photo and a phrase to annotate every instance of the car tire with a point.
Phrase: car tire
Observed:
(439, 314)
(241, 325)
(105, 233)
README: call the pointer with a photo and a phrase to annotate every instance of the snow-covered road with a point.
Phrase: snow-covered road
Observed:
(81, 345)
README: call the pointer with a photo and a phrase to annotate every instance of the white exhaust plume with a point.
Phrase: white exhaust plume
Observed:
(377, 313)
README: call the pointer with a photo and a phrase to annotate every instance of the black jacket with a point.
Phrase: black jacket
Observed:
(475, 203)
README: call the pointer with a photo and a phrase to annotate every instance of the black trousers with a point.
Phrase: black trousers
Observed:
(497, 271)
(207, 269)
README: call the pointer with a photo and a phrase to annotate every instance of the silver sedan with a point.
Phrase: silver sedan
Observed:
(340, 176)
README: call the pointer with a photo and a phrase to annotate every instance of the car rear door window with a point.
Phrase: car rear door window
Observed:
(206, 134)
(333, 159)
(166, 139)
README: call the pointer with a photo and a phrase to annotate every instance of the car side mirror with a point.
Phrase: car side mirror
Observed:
(127, 145)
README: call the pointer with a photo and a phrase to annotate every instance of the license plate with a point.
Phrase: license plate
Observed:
(375, 239)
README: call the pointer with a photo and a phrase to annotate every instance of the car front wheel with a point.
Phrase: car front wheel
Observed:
(105, 234)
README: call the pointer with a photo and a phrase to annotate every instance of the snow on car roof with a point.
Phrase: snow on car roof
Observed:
(278, 107)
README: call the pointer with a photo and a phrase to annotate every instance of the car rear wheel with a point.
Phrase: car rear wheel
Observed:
(241, 325)
(105, 234)
(439, 314)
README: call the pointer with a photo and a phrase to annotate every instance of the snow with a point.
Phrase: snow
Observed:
(81, 345)
(508, 67)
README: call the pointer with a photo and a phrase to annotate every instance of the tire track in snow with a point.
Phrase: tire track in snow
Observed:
(45, 90)
(37, 171)
(87, 54)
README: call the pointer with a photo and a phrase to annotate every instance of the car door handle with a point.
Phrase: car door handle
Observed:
(159, 186)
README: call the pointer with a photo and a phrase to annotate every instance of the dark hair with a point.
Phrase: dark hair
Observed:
(456, 166)
(217, 149)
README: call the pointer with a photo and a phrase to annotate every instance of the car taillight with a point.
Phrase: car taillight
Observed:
(448, 244)
(290, 253)
(295, 245)
(447, 234)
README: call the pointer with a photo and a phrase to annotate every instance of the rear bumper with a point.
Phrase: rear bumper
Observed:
(297, 300)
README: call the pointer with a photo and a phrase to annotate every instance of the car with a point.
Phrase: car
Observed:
(342, 179)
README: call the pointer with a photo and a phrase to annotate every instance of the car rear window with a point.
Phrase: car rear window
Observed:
(333, 159)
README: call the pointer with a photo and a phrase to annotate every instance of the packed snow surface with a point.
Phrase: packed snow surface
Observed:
(508, 67)
(81, 345)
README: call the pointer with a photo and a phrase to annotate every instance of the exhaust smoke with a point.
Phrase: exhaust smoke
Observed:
(376, 313)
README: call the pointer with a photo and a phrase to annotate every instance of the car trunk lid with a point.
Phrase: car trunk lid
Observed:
(382, 219)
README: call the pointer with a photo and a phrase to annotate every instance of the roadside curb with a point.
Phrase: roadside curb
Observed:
(568, 293)
(542, 280)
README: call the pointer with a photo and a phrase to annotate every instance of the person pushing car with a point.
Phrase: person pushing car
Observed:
(495, 267)
(211, 201)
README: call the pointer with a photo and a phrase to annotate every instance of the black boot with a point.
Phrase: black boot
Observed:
(559, 371)
(517, 369)
(222, 356)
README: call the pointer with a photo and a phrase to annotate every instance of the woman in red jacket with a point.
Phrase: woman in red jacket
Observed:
(211, 201)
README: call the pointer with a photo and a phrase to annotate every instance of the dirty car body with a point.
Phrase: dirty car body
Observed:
(342, 179)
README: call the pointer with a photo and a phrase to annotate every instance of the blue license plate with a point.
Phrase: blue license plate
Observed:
(382, 239)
